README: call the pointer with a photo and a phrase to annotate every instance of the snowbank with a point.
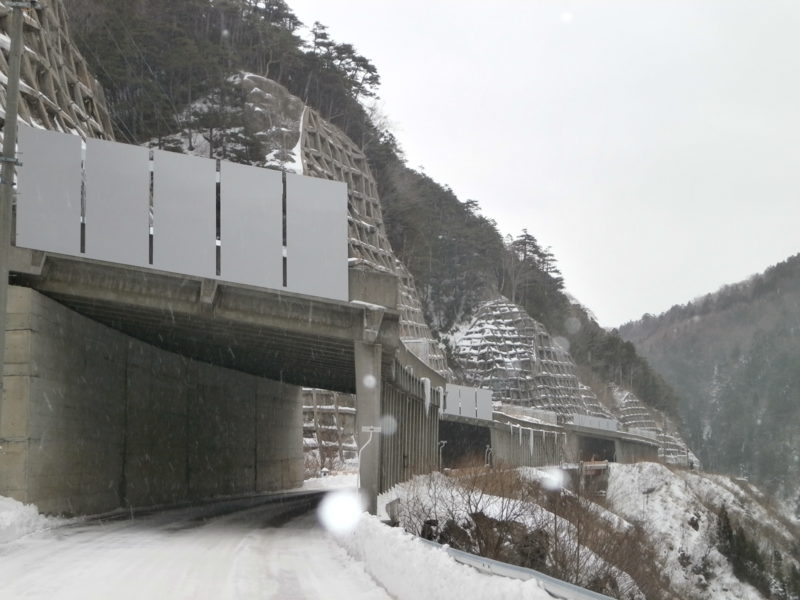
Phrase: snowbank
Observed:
(409, 569)
(332, 482)
(440, 497)
(18, 519)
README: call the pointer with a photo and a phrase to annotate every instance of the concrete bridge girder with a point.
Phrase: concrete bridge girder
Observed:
(296, 339)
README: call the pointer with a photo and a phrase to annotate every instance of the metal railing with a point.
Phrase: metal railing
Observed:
(555, 587)
(410, 445)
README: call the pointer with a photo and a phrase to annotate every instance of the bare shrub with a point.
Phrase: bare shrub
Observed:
(311, 464)
(497, 513)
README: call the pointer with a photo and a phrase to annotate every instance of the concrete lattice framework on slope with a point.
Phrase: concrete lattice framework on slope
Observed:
(635, 415)
(506, 350)
(327, 152)
(329, 426)
(632, 412)
(57, 90)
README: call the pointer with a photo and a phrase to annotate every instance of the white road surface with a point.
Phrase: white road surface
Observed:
(185, 554)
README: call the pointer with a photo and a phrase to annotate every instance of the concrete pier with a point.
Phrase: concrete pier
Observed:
(368, 414)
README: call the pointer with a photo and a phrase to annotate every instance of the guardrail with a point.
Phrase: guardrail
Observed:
(555, 587)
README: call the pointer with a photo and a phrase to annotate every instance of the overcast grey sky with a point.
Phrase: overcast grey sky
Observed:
(654, 144)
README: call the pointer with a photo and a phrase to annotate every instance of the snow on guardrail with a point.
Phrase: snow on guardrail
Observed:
(555, 587)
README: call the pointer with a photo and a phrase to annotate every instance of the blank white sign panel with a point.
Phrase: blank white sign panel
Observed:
(49, 191)
(484, 404)
(184, 214)
(251, 221)
(117, 202)
(316, 237)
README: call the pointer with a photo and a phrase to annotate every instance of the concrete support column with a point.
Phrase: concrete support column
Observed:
(619, 451)
(279, 436)
(368, 414)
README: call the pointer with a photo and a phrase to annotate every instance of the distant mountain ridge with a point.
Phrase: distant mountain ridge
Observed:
(734, 358)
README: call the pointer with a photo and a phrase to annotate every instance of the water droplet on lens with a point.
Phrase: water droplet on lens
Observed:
(340, 511)
(388, 425)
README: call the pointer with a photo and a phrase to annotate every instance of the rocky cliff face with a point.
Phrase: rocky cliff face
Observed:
(57, 90)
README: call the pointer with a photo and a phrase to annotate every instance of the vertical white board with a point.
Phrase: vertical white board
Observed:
(117, 202)
(251, 220)
(316, 237)
(483, 403)
(49, 191)
(184, 214)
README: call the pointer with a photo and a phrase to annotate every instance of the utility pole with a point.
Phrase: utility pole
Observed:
(9, 161)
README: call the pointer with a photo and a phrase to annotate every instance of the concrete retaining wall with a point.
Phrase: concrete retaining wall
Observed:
(630, 452)
(93, 420)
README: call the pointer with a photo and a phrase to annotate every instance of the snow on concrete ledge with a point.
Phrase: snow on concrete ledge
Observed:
(409, 569)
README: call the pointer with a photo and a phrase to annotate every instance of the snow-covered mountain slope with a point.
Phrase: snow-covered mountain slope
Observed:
(680, 511)
(659, 533)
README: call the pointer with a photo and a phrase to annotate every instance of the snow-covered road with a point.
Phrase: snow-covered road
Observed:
(185, 554)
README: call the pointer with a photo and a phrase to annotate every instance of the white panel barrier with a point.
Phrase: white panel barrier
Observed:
(117, 202)
(468, 402)
(595, 422)
(184, 214)
(316, 236)
(251, 220)
(49, 191)
(484, 404)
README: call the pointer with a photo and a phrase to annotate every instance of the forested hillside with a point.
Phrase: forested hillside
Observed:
(734, 357)
(168, 66)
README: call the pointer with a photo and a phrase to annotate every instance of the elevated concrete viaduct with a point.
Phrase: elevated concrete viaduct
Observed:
(131, 387)
(166, 310)
(301, 340)
(520, 442)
